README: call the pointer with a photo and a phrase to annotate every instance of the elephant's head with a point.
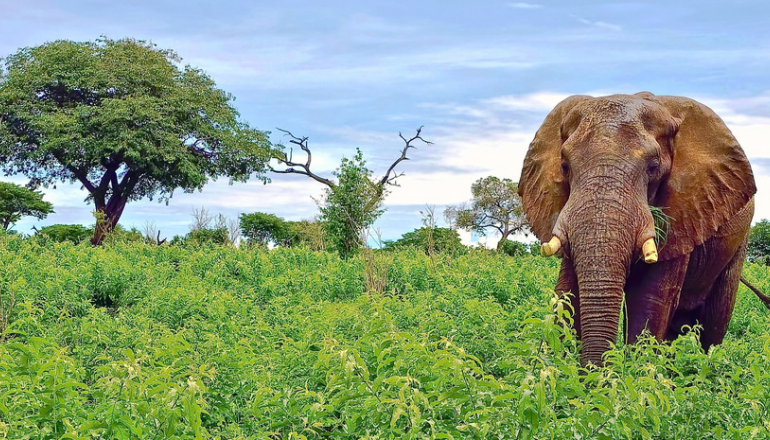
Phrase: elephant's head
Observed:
(595, 168)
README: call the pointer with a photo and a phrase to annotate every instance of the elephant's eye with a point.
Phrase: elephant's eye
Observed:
(653, 167)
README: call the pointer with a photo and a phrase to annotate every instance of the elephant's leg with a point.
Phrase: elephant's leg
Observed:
(652, 294)
(568, 283)
(717, 310)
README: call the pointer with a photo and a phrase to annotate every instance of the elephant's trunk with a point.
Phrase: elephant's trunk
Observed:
(605, 232)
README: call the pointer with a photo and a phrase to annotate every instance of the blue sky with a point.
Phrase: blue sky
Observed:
(480, 76)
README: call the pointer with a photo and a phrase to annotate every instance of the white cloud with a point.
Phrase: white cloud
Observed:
(533, 102)
(520, 5)
(599, 24)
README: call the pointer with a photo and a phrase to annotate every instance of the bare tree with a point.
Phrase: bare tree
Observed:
(149, 229)
(389, 178)
(376, 235)
(451, 212)
(429, 216)
(201, 219)
(352, 209)
(151, 233)
(234, 231)
(220, 222)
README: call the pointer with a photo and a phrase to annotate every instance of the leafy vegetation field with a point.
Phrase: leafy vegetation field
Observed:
(167, 342)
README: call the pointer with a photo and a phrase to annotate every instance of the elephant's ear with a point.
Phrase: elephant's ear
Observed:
(710, 179)
(542, 186)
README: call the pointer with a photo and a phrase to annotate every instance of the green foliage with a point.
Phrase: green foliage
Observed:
(514, 248)
(429, 240)
(496, 206)
(60, 233)
(17, 202)
(759, 242)
(205, 235)
(266, 228)
(120, 118)
(227, 343)
(351, 206)
(121, 234)
(263, 228)
(78, 233)
(201, 236)
(662, 223)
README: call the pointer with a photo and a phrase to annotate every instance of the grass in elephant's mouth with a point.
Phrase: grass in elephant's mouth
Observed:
(662, 223)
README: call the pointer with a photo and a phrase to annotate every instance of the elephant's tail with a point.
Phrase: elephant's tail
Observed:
(764, 298)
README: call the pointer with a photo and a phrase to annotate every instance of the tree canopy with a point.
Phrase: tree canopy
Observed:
(758, 250)
(120, 118)
(266, 228)
(263, 228)
(496, 206)
(17, 202)
(352, 205)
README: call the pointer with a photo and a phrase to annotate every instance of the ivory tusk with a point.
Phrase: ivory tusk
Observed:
(550, 248)
(649, 251)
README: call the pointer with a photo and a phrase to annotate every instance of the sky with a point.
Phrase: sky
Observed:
(479, 76)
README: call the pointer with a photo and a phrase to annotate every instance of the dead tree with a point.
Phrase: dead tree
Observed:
(304, 168)
(378, 186)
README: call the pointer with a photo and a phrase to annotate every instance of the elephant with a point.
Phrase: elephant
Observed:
(592, 173)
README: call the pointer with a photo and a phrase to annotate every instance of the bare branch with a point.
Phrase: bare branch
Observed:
(304, 167)
(201, 219)
(387, 179)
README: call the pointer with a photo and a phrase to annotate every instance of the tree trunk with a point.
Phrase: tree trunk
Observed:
(501, 243)
(107, 216)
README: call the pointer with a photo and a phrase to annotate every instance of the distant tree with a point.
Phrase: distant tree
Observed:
(207, 228)
(17, 202)
(77, 233)
(495, 206)
(263, 228)
(514, 248)
(450, 214)
(352, 203)
(758, 250)
(429, 240)
(260, 227)
(61, 233)
(311, 233)
(220, 236)
(121, 234)
(120, 118)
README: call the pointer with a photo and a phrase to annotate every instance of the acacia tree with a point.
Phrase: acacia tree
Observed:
(120, 118)
(354, 201)
(496, 206)
(17, 202)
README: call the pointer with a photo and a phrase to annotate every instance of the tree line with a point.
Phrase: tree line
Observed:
(122, 119)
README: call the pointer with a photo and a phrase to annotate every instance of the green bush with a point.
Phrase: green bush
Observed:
(429, 240)
(61, 233)
(514, 248)
(197, 237)
(79, 233)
